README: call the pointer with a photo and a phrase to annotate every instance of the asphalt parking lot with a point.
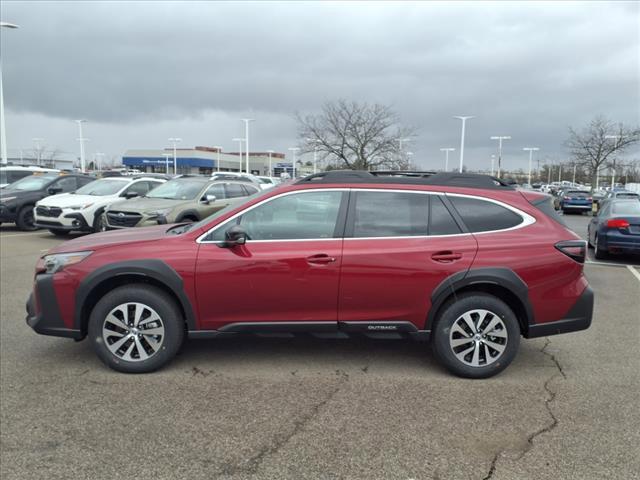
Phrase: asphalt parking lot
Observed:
(567, 408)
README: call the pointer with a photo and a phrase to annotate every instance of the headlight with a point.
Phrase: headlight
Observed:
(6, 199)
(80, 207)
(56, 262)
(157, 213)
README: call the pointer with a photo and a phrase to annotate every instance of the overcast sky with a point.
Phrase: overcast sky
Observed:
(141, 72)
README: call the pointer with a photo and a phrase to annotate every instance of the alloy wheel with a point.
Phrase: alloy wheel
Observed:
(478, 338)
(133, 332)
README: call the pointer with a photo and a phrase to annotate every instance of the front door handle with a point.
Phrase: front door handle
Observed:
(446, 257)
(320, 259)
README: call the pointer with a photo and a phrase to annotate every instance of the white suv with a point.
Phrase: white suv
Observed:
(82, 210)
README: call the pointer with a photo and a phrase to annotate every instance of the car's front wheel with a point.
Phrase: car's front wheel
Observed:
(476, 336)
(136, 329)
(25, 220)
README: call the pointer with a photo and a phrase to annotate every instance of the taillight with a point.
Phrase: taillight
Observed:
(589, 199)
(575, 249)
(566, 198)
(617, 223)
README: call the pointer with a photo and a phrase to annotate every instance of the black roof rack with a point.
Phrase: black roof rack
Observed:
(454, 179)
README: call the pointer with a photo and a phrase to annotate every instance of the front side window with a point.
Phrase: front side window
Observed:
(217, 191)
(484, 216)
(390, 214)
(306, 215)
(67, 184)
(140, 188)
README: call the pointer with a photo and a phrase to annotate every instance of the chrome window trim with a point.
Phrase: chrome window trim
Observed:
(526, 218)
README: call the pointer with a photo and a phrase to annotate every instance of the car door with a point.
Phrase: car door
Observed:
(399, 246)
(207, 207)
(288, 270)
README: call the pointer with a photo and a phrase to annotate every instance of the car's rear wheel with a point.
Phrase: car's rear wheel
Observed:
(136, 329)
(476, 336)
(25, 220)
(58, 233)
(599, 252)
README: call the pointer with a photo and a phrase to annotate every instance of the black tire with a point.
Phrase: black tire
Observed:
(58, 233)
(449, 316)
(98, 223)
(599, 253)
(153, 299)
(25, 220)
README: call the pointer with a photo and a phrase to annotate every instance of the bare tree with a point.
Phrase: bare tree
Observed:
(596, 145)
(358, 136)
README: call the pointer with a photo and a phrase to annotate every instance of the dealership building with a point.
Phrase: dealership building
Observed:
(203, 161)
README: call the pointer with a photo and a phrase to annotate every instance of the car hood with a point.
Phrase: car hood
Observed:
(145, 204)
(68, 199)
(115, 237)
(10, 192)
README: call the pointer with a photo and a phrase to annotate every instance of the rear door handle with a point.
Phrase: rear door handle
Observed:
(446, 257)
(320, 259)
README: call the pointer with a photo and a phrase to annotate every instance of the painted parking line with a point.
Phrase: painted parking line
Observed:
(606, 264)
(634, 272)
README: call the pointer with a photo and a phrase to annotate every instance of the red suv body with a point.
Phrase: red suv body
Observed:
(463, 260)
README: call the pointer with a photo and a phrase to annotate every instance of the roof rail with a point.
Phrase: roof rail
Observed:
(471, 180)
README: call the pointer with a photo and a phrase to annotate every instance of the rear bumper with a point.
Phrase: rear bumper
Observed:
(576, 207)
(578, 318)
(48, 320)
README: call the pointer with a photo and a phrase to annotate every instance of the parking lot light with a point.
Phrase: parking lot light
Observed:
(3, 131)
(531, 150)
(446, 161)
(500, 139)
(464, 119)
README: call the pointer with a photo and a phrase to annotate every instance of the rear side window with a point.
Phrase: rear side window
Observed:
(483, 216)
(440, 221)
(390, 214)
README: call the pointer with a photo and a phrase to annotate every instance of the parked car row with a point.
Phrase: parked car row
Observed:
(62, 203)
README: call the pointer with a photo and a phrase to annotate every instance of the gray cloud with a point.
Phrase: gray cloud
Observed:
(143, 71)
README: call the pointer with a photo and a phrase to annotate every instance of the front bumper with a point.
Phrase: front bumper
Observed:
(577, 318)
(7, 214)
(67, 222)
(43, 313)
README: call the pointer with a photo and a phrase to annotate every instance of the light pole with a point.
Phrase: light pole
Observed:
(493, 160)
(615, 139)
(464, 119)
(500, 139)
(175, 141)
(293, 165)
(38, 154)
(575, 166)
(446, 161)
(81, 139)
(239, 140)
(246, 138)
(560, 173)
(166, 162)
(270, 152)
(531, 150)
(98, 160)
(3, 131)
(218, 149)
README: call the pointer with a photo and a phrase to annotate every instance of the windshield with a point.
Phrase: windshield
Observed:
(32, 182)
(626, 208)
(177, 190)
(102, 187)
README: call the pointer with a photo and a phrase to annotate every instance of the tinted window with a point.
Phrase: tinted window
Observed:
(82, 181)
(440, 221)
(482, 216)
(390, 214)
(139, 187)
(10, 176)
(298, 216)
(216, 190)
(67, 184)
(249, 190)
(234, 190)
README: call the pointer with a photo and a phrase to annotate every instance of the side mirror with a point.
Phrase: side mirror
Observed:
(209, 199)
(130, 195)
(235, 235)
(54, 190)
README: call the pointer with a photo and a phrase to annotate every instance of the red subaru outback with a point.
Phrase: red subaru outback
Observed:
(463, 260)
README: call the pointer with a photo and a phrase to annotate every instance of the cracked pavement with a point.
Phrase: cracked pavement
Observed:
(257, 408)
